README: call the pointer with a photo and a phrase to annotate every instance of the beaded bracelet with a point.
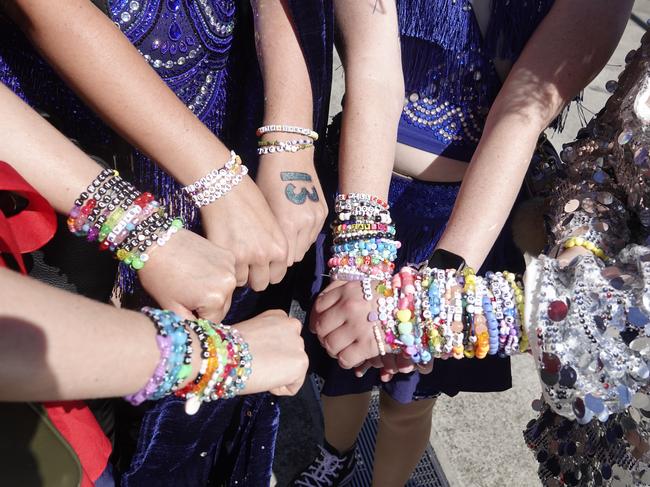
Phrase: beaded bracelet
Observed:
(363, 239)
(226, 361)
(126, 222)
(217, 183)
(438, 313)
(287, 129)
(276, 146)
(590, 246)
(175, 345)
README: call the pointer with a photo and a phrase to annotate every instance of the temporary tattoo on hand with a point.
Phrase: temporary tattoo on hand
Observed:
(298, 198)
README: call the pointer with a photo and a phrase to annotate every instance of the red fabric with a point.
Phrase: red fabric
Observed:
(22, 233)
(79, 427)
(31, 228)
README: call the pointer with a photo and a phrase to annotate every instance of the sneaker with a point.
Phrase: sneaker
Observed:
(329, 469)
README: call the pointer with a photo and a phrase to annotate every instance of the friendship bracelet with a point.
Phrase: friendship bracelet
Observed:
(217, 183)
(288, 129)
(123, 220)
(445, 313)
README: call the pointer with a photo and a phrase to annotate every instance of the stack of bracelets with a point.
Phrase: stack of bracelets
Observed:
(112, 212)
(216, 183)
(427, 313)
(443, 313)
(308, 137)
(363, 239)
(225, 361)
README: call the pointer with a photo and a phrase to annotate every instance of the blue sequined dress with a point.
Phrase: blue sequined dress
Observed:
(451, 81)
(204, 51)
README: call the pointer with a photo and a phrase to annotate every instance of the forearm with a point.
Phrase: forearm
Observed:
(374, 93)
(287, 88)
(119, 84)
(560, 59)
(57, 168)
(69, 347)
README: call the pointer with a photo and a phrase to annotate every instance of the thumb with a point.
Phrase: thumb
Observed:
(181, 311)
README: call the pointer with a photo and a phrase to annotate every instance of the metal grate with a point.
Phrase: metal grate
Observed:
(428, 472)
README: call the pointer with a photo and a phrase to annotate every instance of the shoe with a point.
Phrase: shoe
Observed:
(329, 469)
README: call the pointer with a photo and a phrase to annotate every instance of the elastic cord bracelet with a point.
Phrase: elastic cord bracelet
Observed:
(175, 345)
(287, 129)
(217, 183)
(126, 222)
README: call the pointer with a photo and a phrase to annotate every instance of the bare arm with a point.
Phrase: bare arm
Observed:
(560, 59)
(127, 93)
(374, 94)
(119, 84)
(288, 180)
(69, 347)
(55, 345)
(60, 172)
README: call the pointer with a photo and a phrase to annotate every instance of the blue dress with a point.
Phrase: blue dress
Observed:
(204, 51)
(451, 82)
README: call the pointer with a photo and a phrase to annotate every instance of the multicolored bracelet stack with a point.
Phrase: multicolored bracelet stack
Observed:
(217, 183)
(123, 220)
(275, 146)
(364, 245)
(438, 313)
(226, 362)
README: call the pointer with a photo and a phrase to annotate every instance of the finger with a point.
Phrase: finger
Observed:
(302, 244)
(352, 355)
(277, 271)
(327, 299)
(385, 376)
(361, 370)
(389, 363)
(258, 277)
(329, 321)
(404, 364)
(241, 274)
(425, 369)
(291, 247)
(181, 311)
(338, 340)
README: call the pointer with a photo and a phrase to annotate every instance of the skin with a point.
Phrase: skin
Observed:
(299, 207)
(139, 106)
(547, 69)
(76, 348)
(206, 280)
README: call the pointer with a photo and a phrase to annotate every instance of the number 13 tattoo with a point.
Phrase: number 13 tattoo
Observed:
(298, 198)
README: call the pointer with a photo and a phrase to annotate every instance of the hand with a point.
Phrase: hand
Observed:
(391, 364)
(567, 255)
(190, 274)
(292, 190)
(340, 319)
(279, 358)
(242, 222)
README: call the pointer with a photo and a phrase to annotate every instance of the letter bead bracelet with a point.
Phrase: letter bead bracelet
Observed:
(123, 220)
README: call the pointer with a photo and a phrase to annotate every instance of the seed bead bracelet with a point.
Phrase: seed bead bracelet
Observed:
(174, 367)
(217, 183)
(123, 220)
(287, 129)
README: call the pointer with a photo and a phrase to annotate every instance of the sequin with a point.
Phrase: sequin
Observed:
(611, 86)
(625, 137)
(571, 206)
(557, 310)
